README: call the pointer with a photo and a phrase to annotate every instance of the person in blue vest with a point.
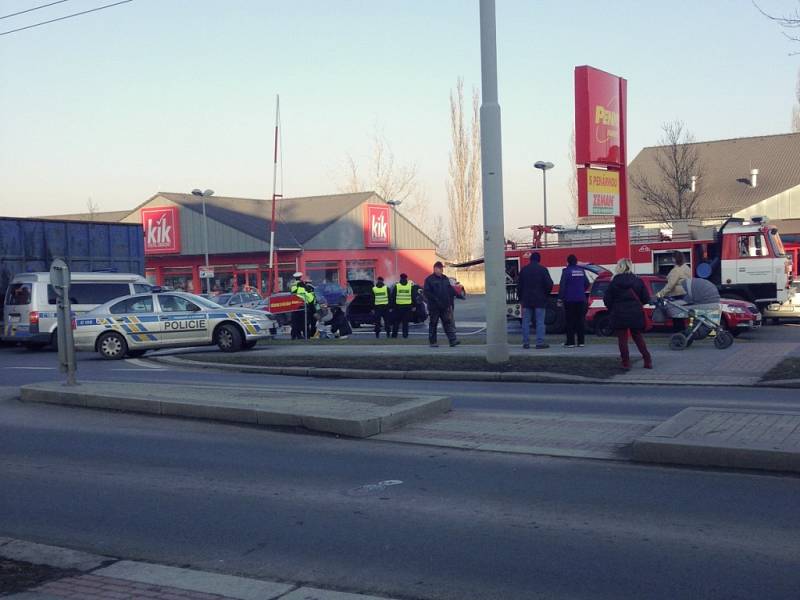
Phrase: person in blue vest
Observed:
(403, 302)
(572, 294)
(380, 303)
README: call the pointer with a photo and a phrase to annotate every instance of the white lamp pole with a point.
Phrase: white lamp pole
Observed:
(204, 195)
(394, 204)
(545, 167)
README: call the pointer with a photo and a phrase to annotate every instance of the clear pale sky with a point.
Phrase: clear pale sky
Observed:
(174, 94)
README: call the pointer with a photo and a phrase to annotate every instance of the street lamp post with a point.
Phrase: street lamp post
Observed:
(394, 204)
(545, 167)
(205, 194)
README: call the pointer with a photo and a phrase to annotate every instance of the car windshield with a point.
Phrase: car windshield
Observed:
(777, 243)
(223, 298)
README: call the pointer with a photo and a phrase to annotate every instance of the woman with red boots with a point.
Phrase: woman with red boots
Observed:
(625, 298)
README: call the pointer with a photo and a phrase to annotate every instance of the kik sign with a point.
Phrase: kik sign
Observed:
(162, 234)
(376, 226)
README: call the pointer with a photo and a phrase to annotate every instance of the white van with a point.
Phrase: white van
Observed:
(30, 303)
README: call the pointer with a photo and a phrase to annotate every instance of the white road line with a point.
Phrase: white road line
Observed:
(34, 368)
(143, 363)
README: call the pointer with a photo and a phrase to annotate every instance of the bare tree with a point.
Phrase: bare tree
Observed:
(464, 186)
(91, 208)
(674, 190)
(796, 107)
(787, 22)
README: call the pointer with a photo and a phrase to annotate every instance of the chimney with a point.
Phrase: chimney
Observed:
(753, 177)
(694, 183)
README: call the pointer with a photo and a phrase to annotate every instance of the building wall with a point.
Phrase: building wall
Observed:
(785, 205)
(348, 233)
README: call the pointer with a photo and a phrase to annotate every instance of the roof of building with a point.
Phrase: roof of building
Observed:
(103, 217)
(725, 185)
(299, 219)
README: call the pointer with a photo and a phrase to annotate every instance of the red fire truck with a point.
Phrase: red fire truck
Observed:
(746, 260)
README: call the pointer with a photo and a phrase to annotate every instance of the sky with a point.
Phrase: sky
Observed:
(170, 95)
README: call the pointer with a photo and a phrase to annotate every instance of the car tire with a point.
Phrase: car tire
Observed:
(112, 346)
(228, 338)
(555, 318)
(602, 325)
(136, 353)
(249, 345)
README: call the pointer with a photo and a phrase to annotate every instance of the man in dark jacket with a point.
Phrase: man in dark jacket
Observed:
(439, 295)
(533, 290)
(572, 293)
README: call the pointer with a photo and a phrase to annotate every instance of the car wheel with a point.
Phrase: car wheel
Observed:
(355, 324)
(555, 318)
(112, 346)
(249, 345)
(136, 353)
(602, 325)
(228, 338)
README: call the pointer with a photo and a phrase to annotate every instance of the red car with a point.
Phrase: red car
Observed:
(459, 288)
(737, 315)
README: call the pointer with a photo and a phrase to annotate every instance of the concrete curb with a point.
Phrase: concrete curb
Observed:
(717, 437)
(335, 373)
(370, 415)
(190, 580)
(789, 383)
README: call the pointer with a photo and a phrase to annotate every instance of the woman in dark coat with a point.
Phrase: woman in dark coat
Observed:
(625, 298)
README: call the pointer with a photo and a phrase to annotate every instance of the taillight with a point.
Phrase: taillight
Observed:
(33, 317)
(74, 324)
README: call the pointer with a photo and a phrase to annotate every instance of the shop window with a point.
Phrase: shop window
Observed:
(319, 272)
(361, 269)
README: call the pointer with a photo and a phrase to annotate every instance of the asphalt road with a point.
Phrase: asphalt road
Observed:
(461, 524)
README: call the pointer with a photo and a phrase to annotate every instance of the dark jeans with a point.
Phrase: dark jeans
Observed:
(638, 339)
(448, 325)
(575, 313)
(381, 314)
(402, 316)
(298, 324)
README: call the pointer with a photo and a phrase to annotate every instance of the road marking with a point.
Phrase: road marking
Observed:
(143, 363)
(371, 488)
(34, 368)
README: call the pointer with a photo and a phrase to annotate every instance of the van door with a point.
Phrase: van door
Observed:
(17, 310)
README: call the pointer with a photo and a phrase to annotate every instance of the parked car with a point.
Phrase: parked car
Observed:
(359, 308)
(243, 299)
(459, 288)
(132, 325)
(788, 311)
(30, 302)
(737, 315)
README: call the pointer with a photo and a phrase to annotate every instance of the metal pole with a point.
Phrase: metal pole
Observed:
(205, 244)
(273, 275)
(394, 235)
(544, 184)
(492, 187)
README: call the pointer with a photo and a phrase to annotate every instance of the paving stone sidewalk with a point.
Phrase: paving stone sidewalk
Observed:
(130, 580)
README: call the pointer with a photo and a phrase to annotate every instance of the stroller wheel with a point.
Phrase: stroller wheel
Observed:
(723, 340)
(678, 342)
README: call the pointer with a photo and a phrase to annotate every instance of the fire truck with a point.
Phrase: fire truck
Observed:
(745, 259)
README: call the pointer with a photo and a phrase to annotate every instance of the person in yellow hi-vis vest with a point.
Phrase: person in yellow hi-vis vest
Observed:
(403, 305)
(380, 301)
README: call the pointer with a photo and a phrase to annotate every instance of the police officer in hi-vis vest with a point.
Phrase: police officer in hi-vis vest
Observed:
(298, 288)
(403, 305)
(380, 300)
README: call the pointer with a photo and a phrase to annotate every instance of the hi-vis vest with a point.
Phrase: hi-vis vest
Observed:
(381, 295)
(299, 291)
(403, 297)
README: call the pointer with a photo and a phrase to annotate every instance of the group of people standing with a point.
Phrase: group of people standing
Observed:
(624, 298)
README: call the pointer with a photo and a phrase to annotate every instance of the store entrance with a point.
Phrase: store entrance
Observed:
(247, 281)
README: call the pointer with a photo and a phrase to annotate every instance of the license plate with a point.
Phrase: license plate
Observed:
(13, 318)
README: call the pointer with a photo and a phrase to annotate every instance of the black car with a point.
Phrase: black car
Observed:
(359, 308)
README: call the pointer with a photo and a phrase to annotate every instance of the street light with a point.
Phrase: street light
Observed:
(545, 167)
(394, 204)
(204, 195)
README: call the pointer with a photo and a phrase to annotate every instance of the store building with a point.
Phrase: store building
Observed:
(332, 238)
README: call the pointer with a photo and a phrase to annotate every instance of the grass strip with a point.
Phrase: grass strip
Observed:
(788, 368)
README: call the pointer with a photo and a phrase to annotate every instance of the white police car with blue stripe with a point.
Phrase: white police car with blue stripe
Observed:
(132, 325)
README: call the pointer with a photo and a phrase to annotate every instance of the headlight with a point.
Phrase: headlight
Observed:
(733, 309)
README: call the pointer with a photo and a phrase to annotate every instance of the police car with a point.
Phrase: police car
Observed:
(132, 325)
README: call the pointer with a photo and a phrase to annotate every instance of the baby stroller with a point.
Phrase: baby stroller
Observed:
(700, 307)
